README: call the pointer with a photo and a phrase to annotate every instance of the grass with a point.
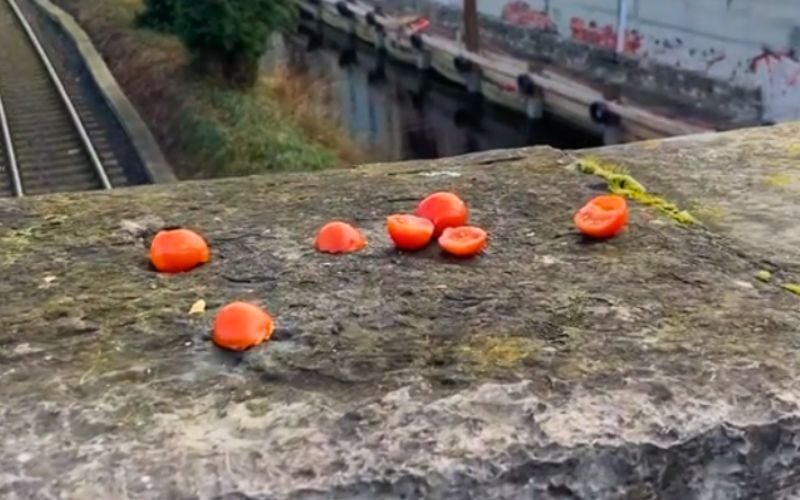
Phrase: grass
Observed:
(284, 123)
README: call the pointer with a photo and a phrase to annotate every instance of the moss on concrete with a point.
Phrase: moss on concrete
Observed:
(620, 182)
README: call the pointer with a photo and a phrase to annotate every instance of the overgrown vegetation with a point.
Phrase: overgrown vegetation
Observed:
(207, 130)
(225, 38)
(158, 15)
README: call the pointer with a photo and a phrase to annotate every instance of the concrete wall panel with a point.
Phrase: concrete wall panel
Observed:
(751, 43)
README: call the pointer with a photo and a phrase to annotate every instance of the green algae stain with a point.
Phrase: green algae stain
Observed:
(621, 183)
(764, 275)
(792, 287)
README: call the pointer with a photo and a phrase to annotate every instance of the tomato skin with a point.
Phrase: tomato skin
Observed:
(463, 241)
(444, 210)
(178, 251)
(240, 325)
(602, 217)
(339, 237)
(409, 232)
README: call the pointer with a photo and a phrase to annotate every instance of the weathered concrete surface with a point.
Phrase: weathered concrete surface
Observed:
(654, 365)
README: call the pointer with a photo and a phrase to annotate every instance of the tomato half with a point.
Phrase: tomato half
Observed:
(463, 241)
(409, 232)
(178, 250)
(444, 210)
(603, 217)
(240, 326)
(339, 237)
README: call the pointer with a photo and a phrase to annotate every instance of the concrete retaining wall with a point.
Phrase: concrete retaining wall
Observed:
(748, 44)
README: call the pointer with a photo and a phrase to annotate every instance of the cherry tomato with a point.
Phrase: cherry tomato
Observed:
(444, 210)
(463, 241)
(603, 217)
(409, 232)
(178, 250)
(339, 237)
(240, 326)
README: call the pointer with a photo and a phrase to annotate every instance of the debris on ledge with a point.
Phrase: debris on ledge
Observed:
(656, 364)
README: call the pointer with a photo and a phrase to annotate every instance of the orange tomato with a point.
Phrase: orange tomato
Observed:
(602, 217)
(463, 241)
(409, 232)
(240, 326)
(444, 210)
(178, 250)
(339, 237)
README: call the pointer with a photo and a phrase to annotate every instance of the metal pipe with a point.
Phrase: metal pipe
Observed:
(76, 120)
(16, 182)
(471, 28)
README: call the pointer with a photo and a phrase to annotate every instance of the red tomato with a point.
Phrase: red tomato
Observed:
(603, 217)
(444, 210)
(240, 326)
(464, 241)
(409, 232)
(339, 237)
(178, 250)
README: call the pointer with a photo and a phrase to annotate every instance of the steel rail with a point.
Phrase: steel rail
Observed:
(16, 181)
(73, 114)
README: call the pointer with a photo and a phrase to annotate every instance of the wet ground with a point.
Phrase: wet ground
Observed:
(396, 113)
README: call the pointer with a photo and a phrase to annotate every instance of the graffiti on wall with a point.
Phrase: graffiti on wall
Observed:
(775, 72)
(520, 13)
(673, 51)
(603, 36)
(778, 75)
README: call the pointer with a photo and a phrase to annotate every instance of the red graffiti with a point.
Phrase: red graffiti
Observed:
(519, 13)
(781, 68)
(768, 56)
(605, 37)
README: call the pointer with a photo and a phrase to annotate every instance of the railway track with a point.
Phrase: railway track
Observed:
(50, 140)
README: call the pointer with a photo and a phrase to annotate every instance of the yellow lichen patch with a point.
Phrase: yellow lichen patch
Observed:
(623, 184)
(793, 149)
(490, 352)
(651, 144)
(781, 180)
(792, 287)
(764, 275)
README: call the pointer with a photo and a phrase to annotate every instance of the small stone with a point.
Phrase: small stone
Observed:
(198, 307)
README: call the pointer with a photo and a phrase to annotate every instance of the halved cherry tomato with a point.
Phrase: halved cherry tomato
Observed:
(463, 241)
(339, 237)
(409, 232)
(444, 210)
(603, 217)
(240, 326)
(178, 250)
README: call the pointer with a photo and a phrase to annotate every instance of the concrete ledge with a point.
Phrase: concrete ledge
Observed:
(154, 161)
(660, 364)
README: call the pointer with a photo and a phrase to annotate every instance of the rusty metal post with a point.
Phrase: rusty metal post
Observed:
(471, 29)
